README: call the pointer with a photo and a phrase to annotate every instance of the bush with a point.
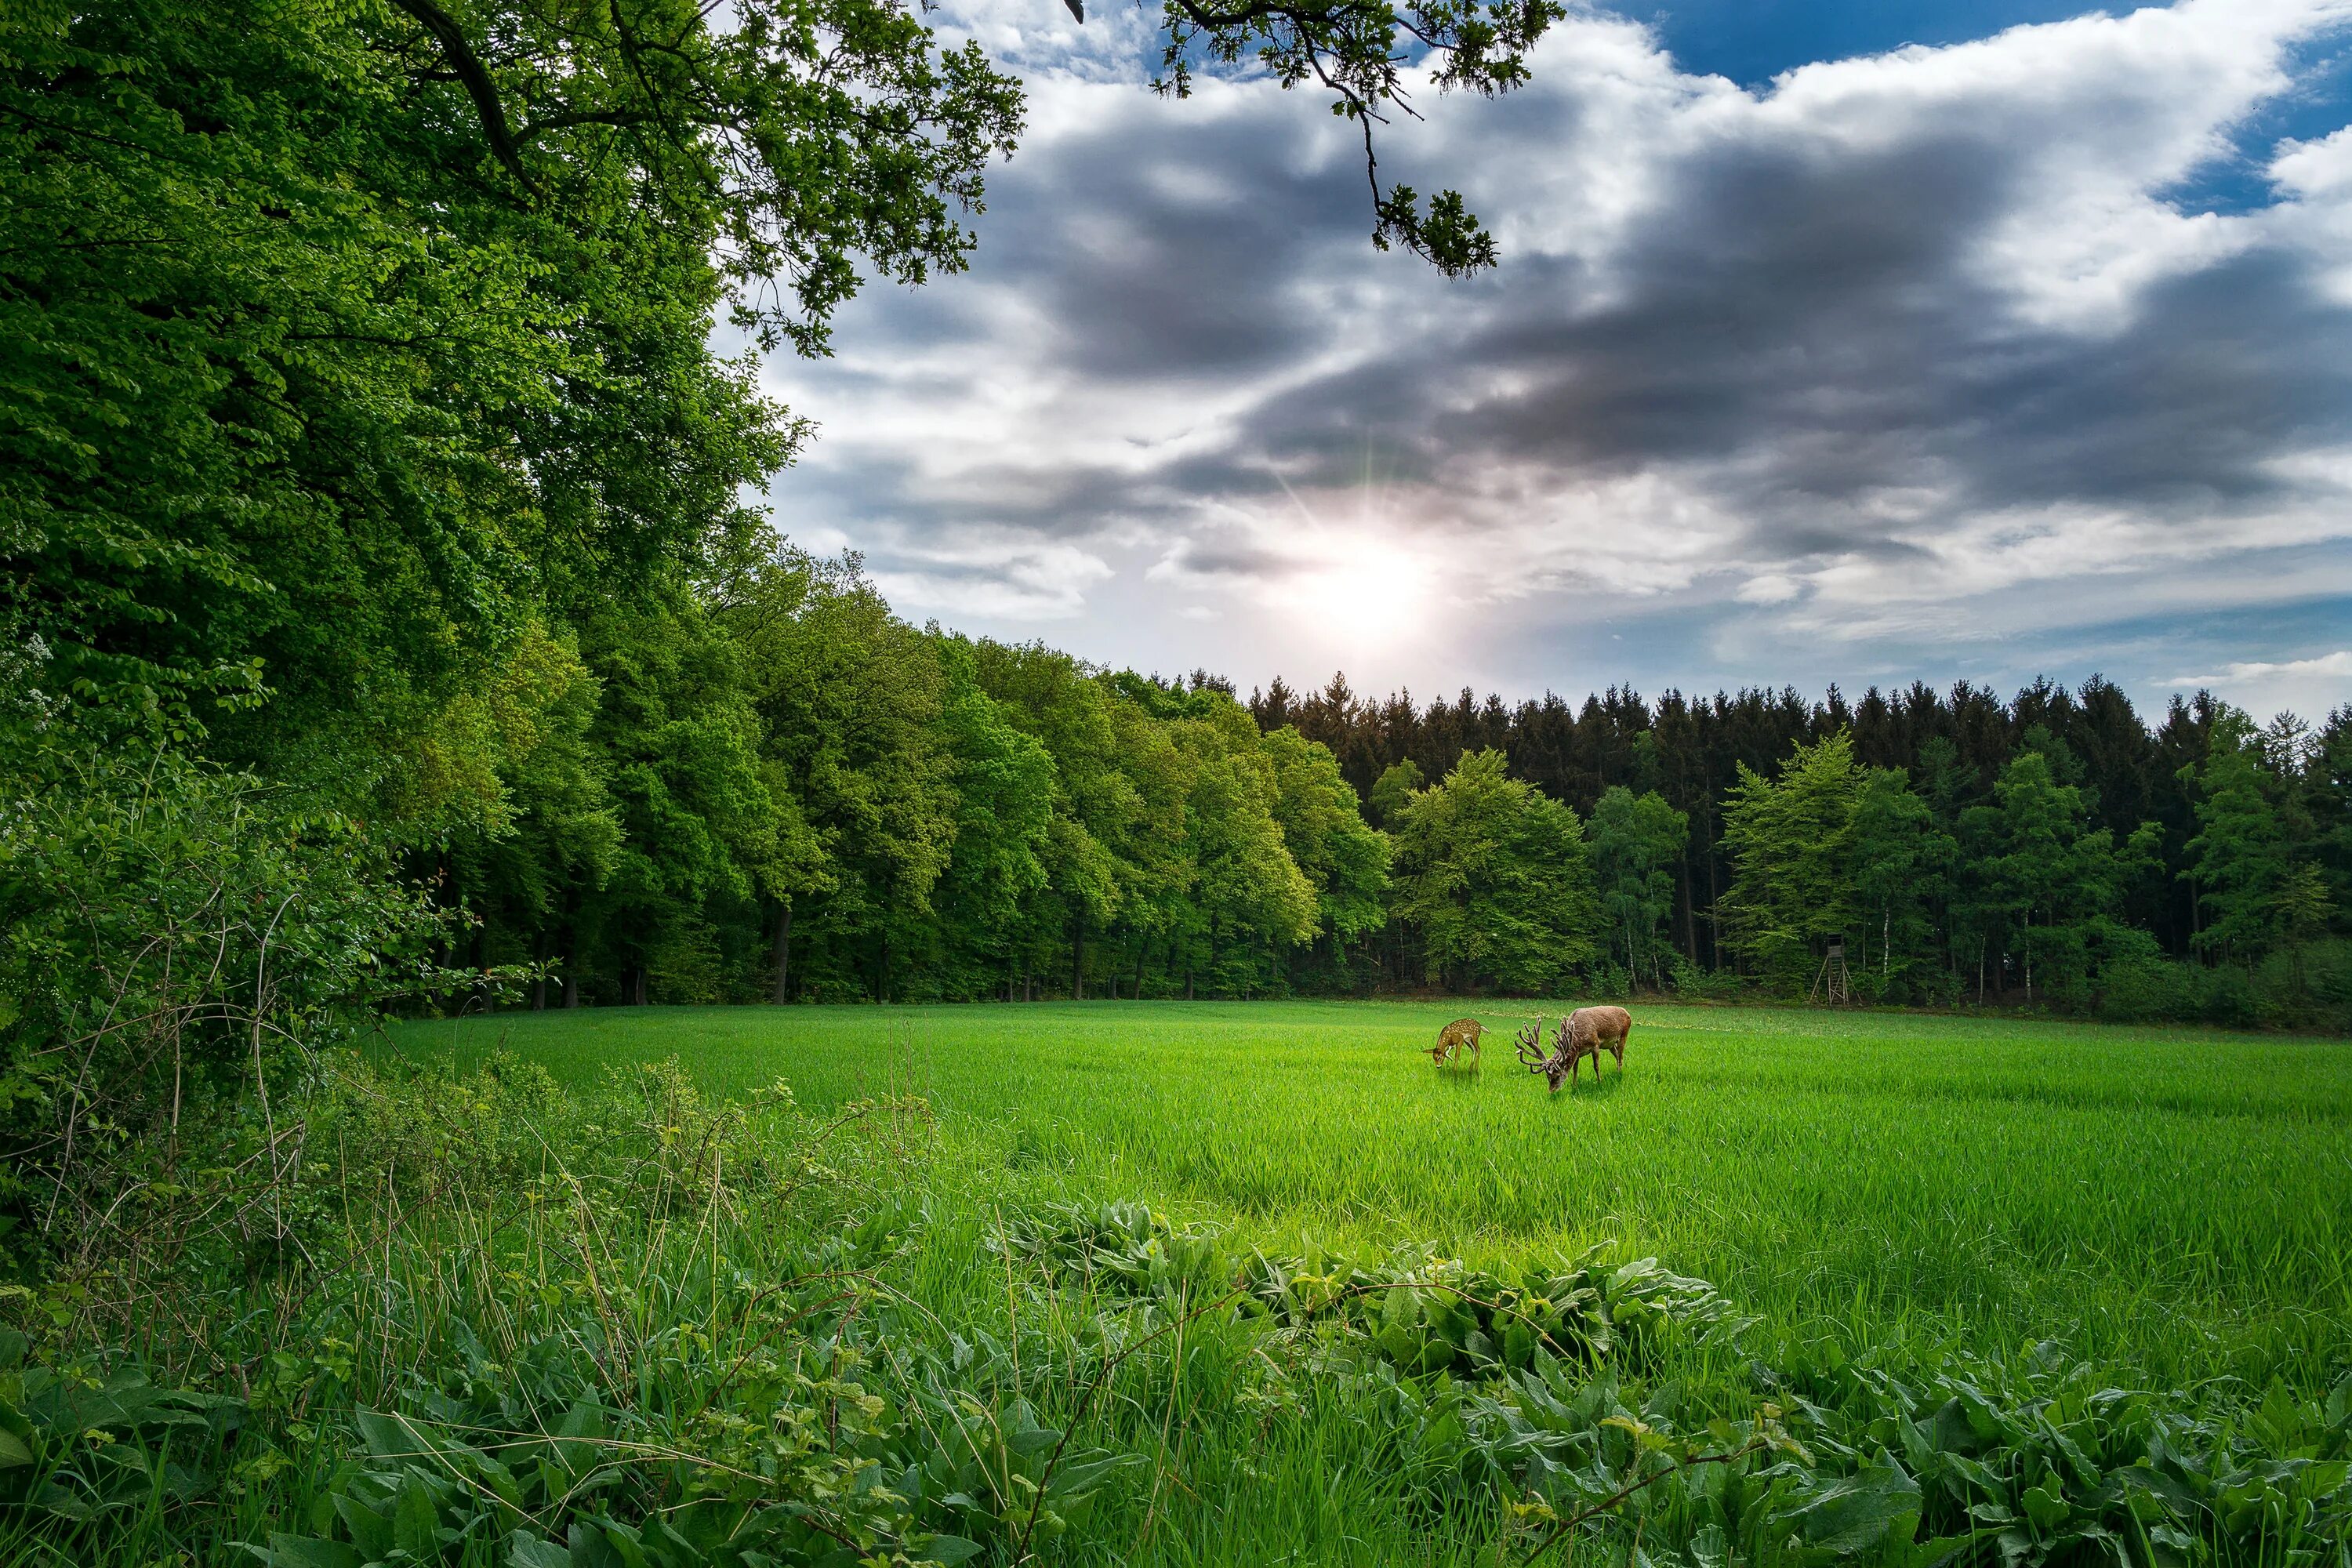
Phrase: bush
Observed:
(173, 937)
(2150, 990)
(2308, 986)
(1694, 983)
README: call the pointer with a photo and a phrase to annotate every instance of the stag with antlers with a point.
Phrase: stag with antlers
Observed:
(1587, 1032)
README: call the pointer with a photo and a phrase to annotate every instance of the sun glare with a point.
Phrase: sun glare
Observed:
(1371, 586)
(1352, 577)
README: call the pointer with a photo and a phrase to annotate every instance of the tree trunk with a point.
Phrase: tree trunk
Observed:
(1714, 925)
(1188, 983)
(783, 955)
(1077, 961)
(638, 985)
(1690, 918)
(482, 965)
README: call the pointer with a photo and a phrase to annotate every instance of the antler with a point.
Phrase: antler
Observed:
(1530, 1049)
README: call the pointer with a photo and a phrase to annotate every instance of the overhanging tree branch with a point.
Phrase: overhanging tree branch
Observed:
(468, 66)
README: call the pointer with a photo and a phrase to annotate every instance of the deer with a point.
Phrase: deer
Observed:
(1606, 1028)
(1457, 1037)
(1587, 1032)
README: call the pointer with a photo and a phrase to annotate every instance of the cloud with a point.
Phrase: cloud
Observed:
(974, 573)
(2313, 686)
(1898, 356)
(2333, 665)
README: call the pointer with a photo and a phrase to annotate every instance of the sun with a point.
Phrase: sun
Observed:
(1354, 574)
(1363, 584)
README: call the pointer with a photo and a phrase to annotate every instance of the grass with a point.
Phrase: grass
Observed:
(2174, 1203)
(2025, 1294)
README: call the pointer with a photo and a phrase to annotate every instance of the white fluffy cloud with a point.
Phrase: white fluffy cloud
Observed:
(1904, 364)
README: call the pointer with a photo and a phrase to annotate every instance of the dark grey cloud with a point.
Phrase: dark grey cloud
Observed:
(1899, 355)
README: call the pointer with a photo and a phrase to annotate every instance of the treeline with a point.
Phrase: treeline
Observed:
(759, 784)
(1978, 848)
(747, 780)
(764, 787)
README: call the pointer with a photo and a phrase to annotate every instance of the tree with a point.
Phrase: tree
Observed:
(1003, 785)
(546, 835)
(2048, 875)
(1637, 841)
(1356, 51)
(1900, 860)
(2240, 859)
(1323, 827)
(1790, 839)
(1249, 901)
(699, 824)
(1497, 879)
(2331, 807)
(849, 701)
(313, 403)
(1113, 844)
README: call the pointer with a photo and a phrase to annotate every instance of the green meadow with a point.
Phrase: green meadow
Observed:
(2174, 1203)
(1237, 1284)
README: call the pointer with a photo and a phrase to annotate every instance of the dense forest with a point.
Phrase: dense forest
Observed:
(774, 790)
(766, 787)
(1962, 839)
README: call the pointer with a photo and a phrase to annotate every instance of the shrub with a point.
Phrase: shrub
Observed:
(1697, 984)
(2306, 986)
(173, 936)
(2150, 990)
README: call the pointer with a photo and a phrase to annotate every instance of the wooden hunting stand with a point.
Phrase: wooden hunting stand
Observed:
(1833, 979)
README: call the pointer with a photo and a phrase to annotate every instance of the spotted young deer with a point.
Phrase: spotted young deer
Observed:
(1457, 1037)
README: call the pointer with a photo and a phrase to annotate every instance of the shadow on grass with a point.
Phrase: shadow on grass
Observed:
(1582, 1089)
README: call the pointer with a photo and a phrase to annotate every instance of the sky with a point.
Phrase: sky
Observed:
(1841, 340)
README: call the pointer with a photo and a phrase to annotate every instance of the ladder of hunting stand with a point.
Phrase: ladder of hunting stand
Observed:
(1833, 979)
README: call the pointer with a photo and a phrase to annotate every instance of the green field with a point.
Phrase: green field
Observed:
(2176, 1203)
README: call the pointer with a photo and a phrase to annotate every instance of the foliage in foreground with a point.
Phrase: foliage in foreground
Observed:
(640, 1329)
(176, 943)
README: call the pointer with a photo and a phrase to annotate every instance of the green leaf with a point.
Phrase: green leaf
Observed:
(387, 1436)
(1857, 1514)
(950, 1549)
(2045, 1509)
(298, 1552)
(1032, 1440)
(370, 1529)
(525, 1550)
(416, 1521)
